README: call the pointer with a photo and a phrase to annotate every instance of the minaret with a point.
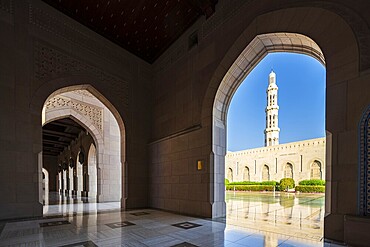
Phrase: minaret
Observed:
(272, 112)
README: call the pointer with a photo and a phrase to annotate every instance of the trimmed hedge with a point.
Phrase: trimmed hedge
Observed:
(227, 181)
(310, 189)
(250, 187)
(286, 183)
(313, 182)
(254, 183)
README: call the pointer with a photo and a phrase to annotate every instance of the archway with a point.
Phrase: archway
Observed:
(288, 170)
(252, 54)
(230, 175)
(94, 166)
(265, 176)
(45, 185)
(316, 172)
(92, 170)
(246, 175)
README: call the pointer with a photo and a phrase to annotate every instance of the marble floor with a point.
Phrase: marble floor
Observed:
(148, 227)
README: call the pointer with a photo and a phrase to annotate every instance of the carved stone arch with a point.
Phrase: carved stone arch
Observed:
(246, 173)
(288, 170)
(230, 175)
(71, 83)
(79, 118)
(339, 45)
(364, 164)
(316, 167)
(265, 173)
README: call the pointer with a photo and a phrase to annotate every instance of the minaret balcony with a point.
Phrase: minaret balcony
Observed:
(272, 107)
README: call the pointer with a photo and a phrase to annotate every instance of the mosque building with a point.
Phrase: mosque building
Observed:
(299, 160)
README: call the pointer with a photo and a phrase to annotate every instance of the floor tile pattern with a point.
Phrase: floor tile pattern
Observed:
(120, 224)
(186, 225)
(54, 223)
(184, 244)
(81, 244)
(139, 213)
(154, 230)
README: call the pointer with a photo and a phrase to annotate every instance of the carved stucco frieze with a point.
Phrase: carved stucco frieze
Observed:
(50, 63)
(74, 33)
(95, 114)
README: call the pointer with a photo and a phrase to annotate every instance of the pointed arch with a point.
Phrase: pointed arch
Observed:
(265, 173)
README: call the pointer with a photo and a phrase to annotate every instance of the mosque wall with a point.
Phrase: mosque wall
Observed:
(295, 160)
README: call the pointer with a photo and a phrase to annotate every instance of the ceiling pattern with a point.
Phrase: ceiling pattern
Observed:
(145, 28)
(58, 135)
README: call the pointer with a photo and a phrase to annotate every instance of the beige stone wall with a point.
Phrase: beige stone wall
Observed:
(44, 51)
(167, 108)
(301, 155)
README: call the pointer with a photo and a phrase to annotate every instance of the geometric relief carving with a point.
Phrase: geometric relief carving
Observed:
(93, 113)
(68, 32)
(51, 63)
(84, 93)
(7, 6)
(364, 165)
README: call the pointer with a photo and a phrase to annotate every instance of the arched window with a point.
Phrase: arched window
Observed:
(288, 171)
(246, 176)
(265, 173)
(316, 170)
(230, 174)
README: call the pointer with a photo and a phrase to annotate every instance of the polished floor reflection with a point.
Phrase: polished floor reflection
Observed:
(287, 214)
(59, 204)
(253, 220)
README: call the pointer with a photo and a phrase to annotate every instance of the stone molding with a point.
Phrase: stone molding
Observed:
(364, 165)
(93, 113)
(84, 93)
(52, 63)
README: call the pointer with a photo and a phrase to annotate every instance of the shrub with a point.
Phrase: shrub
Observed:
(312, 182)
(253, 183)
(227, 181)
(286, 183)
(250, 187)
(310, 189)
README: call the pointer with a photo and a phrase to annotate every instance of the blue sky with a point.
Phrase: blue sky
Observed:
(301, 98)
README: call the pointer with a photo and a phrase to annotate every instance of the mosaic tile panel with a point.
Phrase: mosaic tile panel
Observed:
(186, 225)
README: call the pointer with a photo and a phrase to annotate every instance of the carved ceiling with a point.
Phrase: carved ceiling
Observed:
(146, 28)
(58, 135)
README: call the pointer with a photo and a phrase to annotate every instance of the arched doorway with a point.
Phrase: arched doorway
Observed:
(288, 170)
(45, 185)
(252, 54)
(316, 172)
(93, 171)
(246, 175)
(94, 157)
(230, 175)
(265, 173)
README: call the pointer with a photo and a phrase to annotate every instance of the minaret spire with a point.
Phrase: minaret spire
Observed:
(272, 112)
